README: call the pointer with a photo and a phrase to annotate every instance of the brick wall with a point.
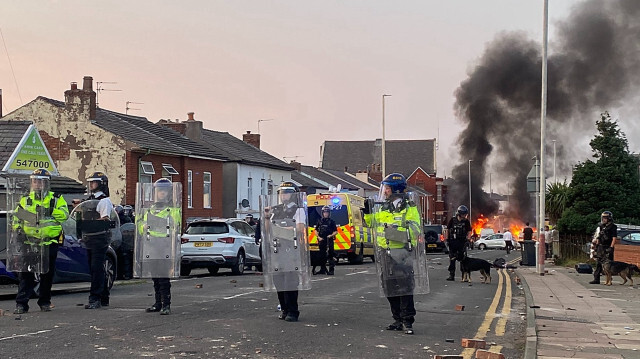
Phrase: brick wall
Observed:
(627, 253)
(58, 149)
(182, 165)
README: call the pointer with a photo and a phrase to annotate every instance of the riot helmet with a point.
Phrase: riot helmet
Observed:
(127, 210)
(40, 182)
(286, 192)
(102, 183)
(119, 210)
(326, 209)
(462, 211)
(606, 215)
(394, 183)
(163, 190)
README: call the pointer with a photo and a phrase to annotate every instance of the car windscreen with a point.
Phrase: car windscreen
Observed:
(339, 214)
(208, 228)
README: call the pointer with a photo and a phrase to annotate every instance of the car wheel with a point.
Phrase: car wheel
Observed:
(185, 271)
(482, 247)
(239, 267)
(110, 271)
(213, 270)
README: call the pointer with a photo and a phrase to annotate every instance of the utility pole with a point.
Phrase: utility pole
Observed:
(543, 118)
(384, 152)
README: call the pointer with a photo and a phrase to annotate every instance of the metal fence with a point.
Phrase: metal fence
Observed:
(575, 246)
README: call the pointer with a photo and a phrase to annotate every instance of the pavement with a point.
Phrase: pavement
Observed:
(569, 318)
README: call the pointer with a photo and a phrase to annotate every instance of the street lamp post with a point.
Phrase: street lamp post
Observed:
(543, 118)
(555, 179)
(384, 153)
(470, 190)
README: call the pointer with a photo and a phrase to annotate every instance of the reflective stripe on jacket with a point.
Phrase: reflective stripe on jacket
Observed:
(38, 219)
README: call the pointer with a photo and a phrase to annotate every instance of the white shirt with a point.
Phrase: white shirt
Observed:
(104, 206)
(508, 236)
(300, 216)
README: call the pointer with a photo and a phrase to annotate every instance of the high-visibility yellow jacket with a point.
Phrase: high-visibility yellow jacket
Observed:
(173, 212)
(41, 219)
(406, 219)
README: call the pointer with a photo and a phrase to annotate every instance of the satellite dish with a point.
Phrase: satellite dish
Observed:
(339, 188)
(244, 203)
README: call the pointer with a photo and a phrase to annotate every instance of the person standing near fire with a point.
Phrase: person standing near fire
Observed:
(458, 235)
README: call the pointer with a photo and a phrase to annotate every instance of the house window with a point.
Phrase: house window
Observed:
(270, 188)
(189, 189)
(263, 186)
(250, 189)
(145, 175)
(206, 190)
(439, 190)
(168, 171)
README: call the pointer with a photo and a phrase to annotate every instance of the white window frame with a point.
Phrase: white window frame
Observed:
(439, 193)
(250, 190)
(169, 169)
(206, 190)
(143, 178)
(263, 186)
(189, 189)
(146, 171)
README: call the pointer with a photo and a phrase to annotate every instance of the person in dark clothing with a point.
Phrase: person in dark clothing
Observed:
(527, 232)
(605, 243)
(458, 235)
(327, 231)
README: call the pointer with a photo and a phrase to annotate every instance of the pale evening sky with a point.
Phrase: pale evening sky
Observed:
(318, 68)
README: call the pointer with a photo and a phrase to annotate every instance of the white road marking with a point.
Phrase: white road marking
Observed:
(25, 335)
(361, 272)
(241, 294)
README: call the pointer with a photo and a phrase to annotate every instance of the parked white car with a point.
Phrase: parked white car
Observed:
(219, 243)
(493, 241)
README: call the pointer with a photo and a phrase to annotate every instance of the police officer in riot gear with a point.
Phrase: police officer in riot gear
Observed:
(605, 243)
(162, 208)
(99, 292)
(459, 233)
(399, 215)
(37, 221)
(288, 208)
(327, 231)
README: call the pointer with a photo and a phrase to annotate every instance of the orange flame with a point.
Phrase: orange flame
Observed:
(479, 224)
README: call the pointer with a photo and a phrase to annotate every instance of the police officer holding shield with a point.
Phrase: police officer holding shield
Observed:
(157, 244)
(606, 241)
(400, 252)
(37, 230)
(98, 241)
(285, 247)
(459, 233)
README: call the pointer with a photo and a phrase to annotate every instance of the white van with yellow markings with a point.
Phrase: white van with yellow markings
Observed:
(354, 240)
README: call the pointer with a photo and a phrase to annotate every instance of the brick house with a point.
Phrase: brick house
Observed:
(83, 138)
(434, 204)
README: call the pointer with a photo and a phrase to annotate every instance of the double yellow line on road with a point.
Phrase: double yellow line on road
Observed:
(485, 327)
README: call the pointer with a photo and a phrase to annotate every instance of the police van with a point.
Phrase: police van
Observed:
(354, 240)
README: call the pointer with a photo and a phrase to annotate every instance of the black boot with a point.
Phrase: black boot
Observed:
(595, 281)
(451, 277)
(154, 308)
(395, 326)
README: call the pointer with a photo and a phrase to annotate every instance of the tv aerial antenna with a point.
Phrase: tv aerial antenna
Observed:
(100, 88)
(127, 108)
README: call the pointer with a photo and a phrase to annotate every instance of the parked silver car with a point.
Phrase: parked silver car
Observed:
(219, 243)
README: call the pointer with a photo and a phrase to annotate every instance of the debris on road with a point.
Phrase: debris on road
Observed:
(198, 286)
(459, 308)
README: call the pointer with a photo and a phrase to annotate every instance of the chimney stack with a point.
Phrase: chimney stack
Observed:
(193, 128)
(252, 138)
(295, 164)
(82, 102)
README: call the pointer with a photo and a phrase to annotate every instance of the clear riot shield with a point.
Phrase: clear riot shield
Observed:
(128, 231)
(285, 249)
(158, 230)
(24, 228)
(87, 225)
(399, 246)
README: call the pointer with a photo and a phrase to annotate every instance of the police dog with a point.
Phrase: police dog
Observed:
(624, 270)
(468, 265)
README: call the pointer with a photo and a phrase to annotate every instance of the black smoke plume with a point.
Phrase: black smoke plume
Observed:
(593, 65)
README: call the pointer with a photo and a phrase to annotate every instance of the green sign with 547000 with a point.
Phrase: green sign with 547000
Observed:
(32, 154)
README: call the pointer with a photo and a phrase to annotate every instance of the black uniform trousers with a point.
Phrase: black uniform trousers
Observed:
(456, 253)
(27, 282)
(162, 287)
(603, 255)
(402, 309)
(289, 303)
(99, 291)
(331, 253)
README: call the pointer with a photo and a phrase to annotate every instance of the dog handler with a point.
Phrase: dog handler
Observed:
(458, 234)
(605, 243)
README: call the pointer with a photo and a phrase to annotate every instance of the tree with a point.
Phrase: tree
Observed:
(556, 200)
(611, 183)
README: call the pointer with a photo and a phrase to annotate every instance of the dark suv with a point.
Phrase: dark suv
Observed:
(434, 239)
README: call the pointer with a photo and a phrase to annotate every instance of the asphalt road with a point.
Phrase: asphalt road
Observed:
(231, 317)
